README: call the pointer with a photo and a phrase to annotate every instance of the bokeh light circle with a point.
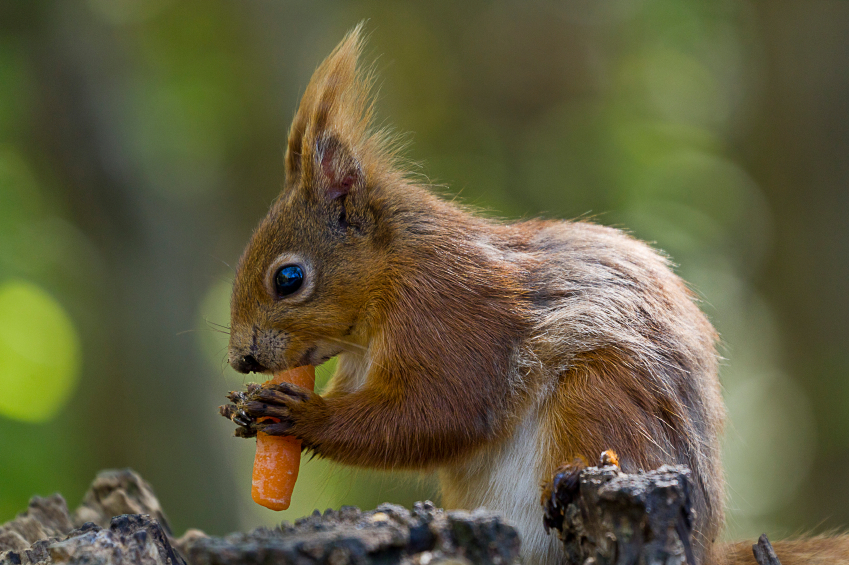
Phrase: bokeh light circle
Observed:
(39, 353)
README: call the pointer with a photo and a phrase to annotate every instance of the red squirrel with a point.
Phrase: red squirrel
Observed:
(486, 350)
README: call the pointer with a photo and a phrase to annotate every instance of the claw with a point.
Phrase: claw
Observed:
(242, 418)
(236, 397)
(263, 401)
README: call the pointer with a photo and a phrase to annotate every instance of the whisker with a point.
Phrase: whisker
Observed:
(362, 349)
(221, 328)
(222, 278)
(202, 330)
(225, 362)
(345, 342)
(223, 261)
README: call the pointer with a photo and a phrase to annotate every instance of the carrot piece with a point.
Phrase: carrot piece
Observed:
(279, 457)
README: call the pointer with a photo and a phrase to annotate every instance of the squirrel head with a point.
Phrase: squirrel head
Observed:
(313, 264)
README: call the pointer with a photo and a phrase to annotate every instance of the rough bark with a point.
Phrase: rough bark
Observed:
(389, 534)
(120, 522)
(603, 516)
(764, 553)
(607, 517)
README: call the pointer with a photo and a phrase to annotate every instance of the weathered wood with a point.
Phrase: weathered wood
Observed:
(48, 534)
(44, 518)
(388, 534)
(764, 553)
(607, 517)
(603, 516)
(115, 492)
(112, 526)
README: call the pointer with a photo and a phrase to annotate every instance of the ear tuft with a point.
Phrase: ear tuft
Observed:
(332, 147)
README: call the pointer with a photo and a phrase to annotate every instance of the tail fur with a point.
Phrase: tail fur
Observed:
(819, 550)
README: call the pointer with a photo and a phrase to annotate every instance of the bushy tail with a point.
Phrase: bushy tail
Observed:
(819, 550)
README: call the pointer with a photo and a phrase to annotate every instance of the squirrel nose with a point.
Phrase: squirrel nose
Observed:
(247, 364)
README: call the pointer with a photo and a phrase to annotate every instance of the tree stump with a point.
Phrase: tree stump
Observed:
(120, 522)
(606, 517)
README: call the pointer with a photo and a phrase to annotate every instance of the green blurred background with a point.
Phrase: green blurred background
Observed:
(141, 140)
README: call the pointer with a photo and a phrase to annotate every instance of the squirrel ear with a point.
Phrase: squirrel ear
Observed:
(335, 104)
(339, 171)
(331, 146)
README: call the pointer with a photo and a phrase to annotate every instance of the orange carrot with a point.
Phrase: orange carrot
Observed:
(279, 457)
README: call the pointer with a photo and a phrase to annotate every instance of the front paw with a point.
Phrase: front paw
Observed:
(274, 409)
(560, 492)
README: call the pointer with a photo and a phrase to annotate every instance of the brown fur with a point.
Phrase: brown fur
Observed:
(817, 550)
(489, 351)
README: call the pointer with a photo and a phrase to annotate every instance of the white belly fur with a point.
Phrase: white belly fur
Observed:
(508, 480)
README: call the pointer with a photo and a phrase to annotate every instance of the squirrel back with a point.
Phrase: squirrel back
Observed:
(491, 352)
(616, 356)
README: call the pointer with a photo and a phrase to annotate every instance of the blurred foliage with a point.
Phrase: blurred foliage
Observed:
(141, 140)
(39, 353)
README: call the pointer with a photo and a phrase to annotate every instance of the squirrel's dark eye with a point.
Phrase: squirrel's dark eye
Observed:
(288, 279)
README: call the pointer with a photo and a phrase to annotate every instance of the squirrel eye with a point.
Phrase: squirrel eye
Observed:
(288, 279)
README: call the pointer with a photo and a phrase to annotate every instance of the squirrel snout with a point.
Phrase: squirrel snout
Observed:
(246, 364)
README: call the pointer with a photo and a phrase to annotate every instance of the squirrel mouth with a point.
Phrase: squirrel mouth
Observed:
(307, 357)
(315, 356)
